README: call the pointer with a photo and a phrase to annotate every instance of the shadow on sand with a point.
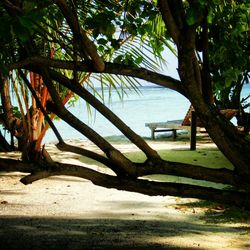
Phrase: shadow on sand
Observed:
(50, 233)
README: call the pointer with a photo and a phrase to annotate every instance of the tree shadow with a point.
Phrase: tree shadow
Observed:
(62, 233)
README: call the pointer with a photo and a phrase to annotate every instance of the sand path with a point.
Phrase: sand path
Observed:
(72, 213)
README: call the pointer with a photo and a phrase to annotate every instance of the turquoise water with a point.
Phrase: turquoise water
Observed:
(152, 104)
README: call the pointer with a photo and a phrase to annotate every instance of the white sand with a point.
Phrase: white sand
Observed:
(72, 213)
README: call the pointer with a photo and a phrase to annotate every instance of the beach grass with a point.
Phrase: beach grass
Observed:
(209, 157)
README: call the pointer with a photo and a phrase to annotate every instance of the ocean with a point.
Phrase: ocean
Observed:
(151, 104)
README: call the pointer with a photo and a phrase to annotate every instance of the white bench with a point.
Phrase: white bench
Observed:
(169, 126)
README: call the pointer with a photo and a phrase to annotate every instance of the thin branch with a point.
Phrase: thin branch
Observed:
(63, 45)
(60, 139)
(98, 63)
(84, 152)
(86, 45)
(11, 8)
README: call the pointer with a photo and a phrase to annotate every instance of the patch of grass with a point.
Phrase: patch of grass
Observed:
(136, 156)
(200, 204)
(219, 213)
(117, 139)
(89, 161)
(211, 158)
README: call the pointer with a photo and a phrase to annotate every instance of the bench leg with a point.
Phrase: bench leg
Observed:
(193, 131)
(174, 134)
(152, 134)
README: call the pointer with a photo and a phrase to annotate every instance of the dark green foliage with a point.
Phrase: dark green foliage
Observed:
(229, 48)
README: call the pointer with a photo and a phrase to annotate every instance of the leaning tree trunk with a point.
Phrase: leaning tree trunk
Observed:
(234, 146)
(23, 128)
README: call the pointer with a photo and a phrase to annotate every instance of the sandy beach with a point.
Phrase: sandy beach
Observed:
(71, 213)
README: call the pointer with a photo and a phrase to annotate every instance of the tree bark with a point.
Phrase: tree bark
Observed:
(224, 134)
(10, 121)
(106, 112)
(43, 170)
(110, 68)
(235, 147)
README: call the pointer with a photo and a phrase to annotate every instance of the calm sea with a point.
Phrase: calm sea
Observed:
(152, 104)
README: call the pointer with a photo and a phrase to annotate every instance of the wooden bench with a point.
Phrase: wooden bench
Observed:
(169, 126)
(177, 125)
(190, 123)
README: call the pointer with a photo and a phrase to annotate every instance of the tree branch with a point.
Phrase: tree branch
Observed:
(106, 112)
(197, 173)
(218, 175)
(80, 36)
(84, 152)
(11, 8)
(121, 165)
(169, 21)
(178, 169)
(110, 68)
(152, 188)
(144, 74)
(60, 139)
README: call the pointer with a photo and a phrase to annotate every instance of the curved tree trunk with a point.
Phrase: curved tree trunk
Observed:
(9, 120)
(26, 128)
(234, 146)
